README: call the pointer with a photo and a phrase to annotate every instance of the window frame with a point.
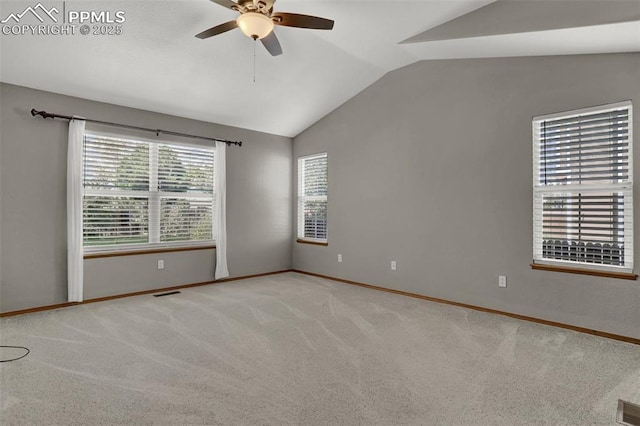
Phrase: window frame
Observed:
(300, 238)
(133, 248)
(539, 190)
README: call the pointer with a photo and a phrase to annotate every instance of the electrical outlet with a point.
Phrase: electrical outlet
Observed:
(394, 265)
(160, 264)
(502, 281)
(339, 258)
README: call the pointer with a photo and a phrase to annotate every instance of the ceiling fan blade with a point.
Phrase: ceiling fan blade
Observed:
(272, 44)
(227, 3)
(302, 21)
(218, 29)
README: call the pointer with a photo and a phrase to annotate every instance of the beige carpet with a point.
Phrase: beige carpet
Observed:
(294, 349)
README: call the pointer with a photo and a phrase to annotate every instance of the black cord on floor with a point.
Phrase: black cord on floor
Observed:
(15, 347)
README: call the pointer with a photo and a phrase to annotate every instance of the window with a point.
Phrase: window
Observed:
(140, 194)
(583, 188)
(312, 198)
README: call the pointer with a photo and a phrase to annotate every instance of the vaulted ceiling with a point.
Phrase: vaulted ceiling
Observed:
(157, 64)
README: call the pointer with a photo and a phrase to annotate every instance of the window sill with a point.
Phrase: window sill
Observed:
(145, 251)
(315, 243)
(594, 272)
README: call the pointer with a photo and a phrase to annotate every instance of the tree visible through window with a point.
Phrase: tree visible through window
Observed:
(583, 187)
(312, 198)
(146, 193)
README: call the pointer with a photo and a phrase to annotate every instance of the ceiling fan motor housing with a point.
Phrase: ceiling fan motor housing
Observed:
(264, 6)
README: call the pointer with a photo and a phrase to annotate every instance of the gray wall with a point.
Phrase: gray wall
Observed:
(33, 205)
(431, 167)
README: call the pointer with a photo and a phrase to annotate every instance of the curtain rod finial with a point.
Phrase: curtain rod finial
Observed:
(43, 114)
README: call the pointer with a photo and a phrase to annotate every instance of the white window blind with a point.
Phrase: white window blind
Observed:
(312, 197)
(141, 193)
(583, 188)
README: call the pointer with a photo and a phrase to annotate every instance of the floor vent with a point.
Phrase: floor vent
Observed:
(166, 294)
(628, 413)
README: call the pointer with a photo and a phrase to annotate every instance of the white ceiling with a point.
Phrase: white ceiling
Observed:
(158, 65)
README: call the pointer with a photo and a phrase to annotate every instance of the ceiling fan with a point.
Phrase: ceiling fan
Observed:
(257, 21)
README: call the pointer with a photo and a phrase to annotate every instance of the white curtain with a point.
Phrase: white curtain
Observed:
(221, 211)
(74, 211)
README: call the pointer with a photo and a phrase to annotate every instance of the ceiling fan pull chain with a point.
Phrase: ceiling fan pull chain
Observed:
(254, 60)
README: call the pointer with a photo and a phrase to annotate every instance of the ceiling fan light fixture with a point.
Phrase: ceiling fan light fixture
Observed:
(255, 25)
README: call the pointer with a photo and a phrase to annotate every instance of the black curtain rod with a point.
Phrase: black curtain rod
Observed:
(45, 114)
